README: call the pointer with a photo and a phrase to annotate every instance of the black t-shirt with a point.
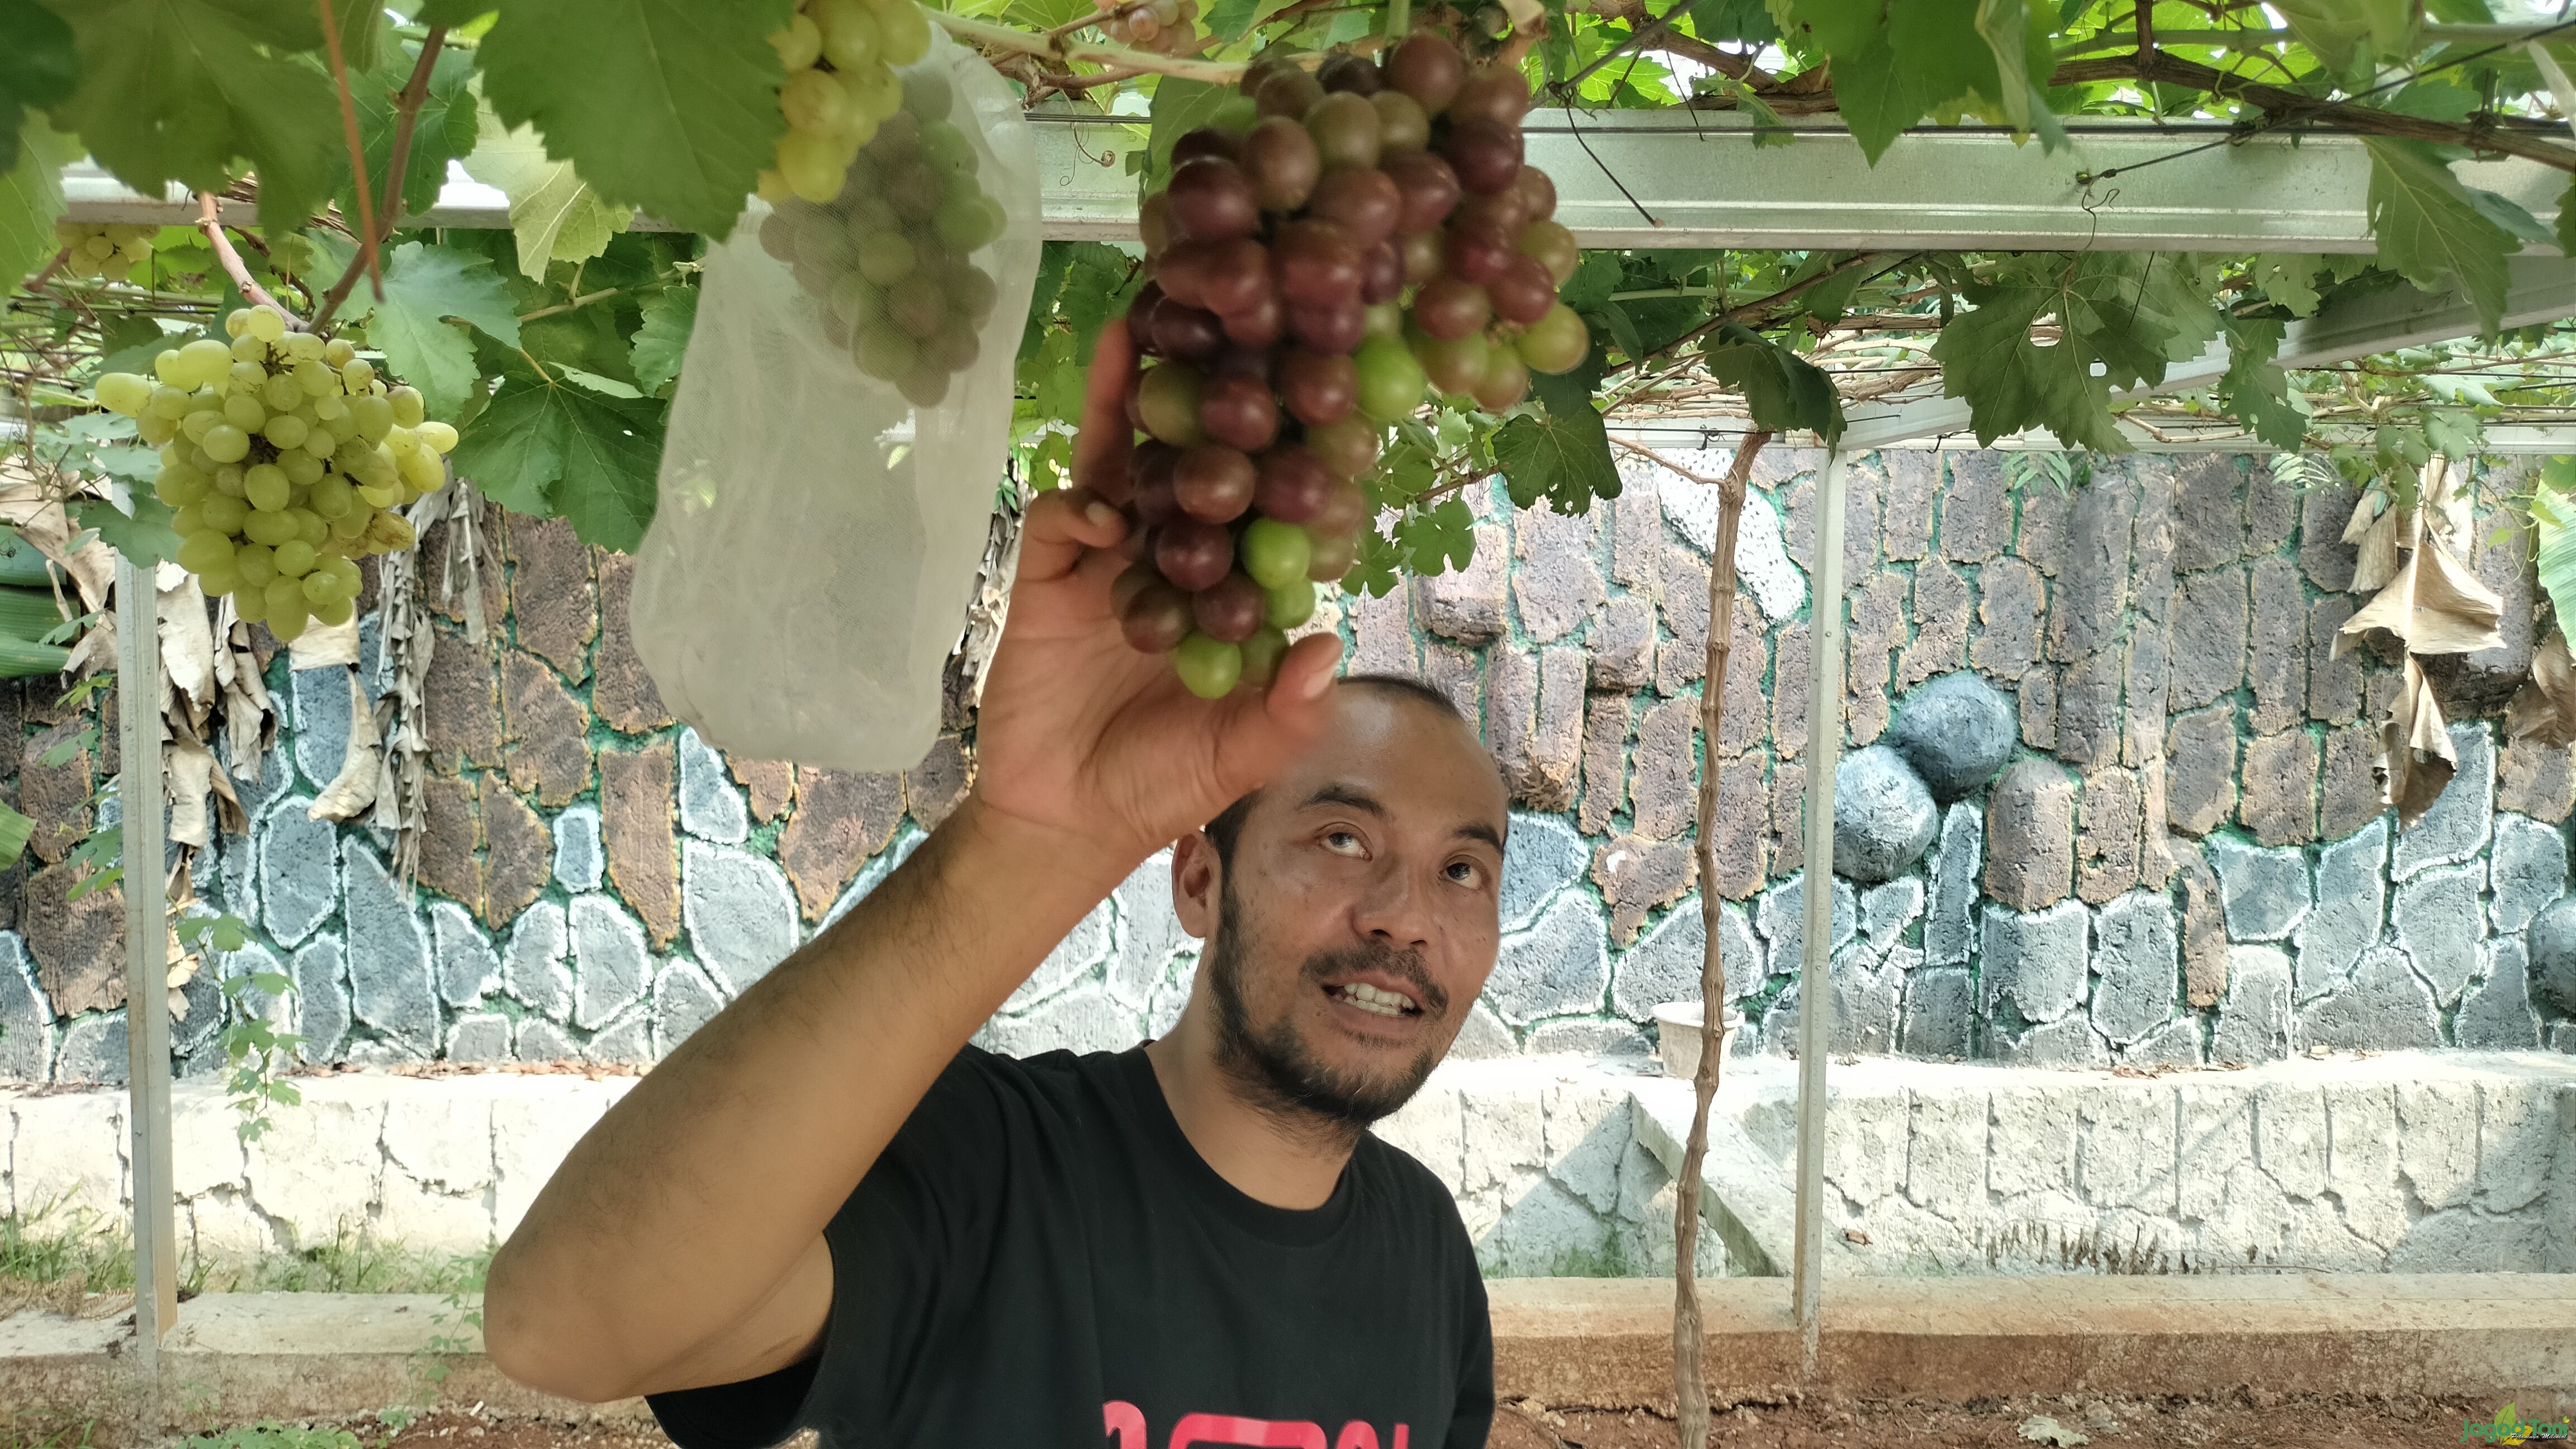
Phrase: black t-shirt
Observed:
(1040, 1258)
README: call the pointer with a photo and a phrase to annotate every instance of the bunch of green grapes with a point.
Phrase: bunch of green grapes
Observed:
(111, 252)
(889, 256)
(841, 57)
(285, 457)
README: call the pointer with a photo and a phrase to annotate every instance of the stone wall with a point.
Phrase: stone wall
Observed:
(2109, 802)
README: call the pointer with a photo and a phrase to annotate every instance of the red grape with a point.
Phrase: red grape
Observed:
(1498, 95)
(1362, 200)
(1154, 223)
(1279, 159)
(1506, 380)
(1345, 129)
(1193, 554)
(1315, 263)
(1357, 74)
(1345, 508)
(1319, 388)
(1139, 318)
(1154, 501)
(1427, 188)
(1334, 555)
(1168, 400)
(1212, 200)
(1478, 256)
(1402, 124)
(1454, 364)
(1146, 459)
(1124, 589)
(1501, 211)
(1348, 449)
(1239, 412)
(1206, 141)
(1157, 618)
(1234, 276)
(1554, 247)
(1187, 332)
(1289, 92)
(1337, 327)
(1428, 68)
(1451, 306)
(1292, 484)
(1182, 273)
(1485, 154)
(1524, 292)
(1260, 325)
(1230, 609)
(1258, 73)
(1251, 362)
(1213, 483)
(1422, 256)
(1382, 273)
(1537, 191)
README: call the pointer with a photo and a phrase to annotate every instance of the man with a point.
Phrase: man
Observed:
(820, 1211)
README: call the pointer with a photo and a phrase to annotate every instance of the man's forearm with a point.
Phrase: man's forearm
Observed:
(677, 1214)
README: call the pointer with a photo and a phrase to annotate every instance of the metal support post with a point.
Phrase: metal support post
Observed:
(147, 967)
(1815, 986)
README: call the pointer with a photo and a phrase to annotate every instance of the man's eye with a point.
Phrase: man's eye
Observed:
(1464, 872)
(1341, 842)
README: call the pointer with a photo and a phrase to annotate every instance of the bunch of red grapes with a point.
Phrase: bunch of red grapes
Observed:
(1167, 27)
(1337, 242)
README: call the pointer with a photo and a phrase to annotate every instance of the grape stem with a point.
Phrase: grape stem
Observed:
(573, 305)
(1055, 47)
(210, 221)
(357, 165)
(373, 230)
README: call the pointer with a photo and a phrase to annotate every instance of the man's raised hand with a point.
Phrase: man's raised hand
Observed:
(1078, 731)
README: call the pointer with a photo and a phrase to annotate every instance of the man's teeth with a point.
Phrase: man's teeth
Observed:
(1370, 998)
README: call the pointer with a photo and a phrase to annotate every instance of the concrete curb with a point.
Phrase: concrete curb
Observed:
(1602, 1343)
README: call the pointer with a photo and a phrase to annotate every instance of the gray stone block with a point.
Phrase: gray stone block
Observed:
(1558, 967)
(2070, 1041)
(683, 1001)
(1883, 817)
(1483, 1037)
(1665, 966)
(2352, 900)
(1940, 1003)
(1866, 991)
(2137, 960)
(1540, 857)
(543, 1041)
(610, 961)
(2264, 893)
(321, 721)
(93, 1049)
(299, 879)
(1781, 918)
(1950, 926)
(740, 911)
(710, 807)
(468, 970)
(482, 1036)
(1149, 932)
(2552, 945)
(577, 855)
(2496, 1015)
(26, 1018)
(1078, 955)
(627, 1041)
(2526, 870)
(2254, 1016)
(1956, 731)
(2455, 828)
(203, 995)
(907, 838)
(321, 999)
(389, 985)
(1587, 1037)
(2174, 1044)
(1885, 911)
(2439, 919)
(2385, 1007)
(2037, 960)
(1081, 1020)
(536, 969)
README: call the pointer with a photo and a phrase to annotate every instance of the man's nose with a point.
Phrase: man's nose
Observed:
(1395, 910)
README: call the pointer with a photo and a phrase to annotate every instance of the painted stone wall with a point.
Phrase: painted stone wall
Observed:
(2108, 800)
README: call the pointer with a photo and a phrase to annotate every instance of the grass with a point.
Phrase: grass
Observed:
(56, 1257)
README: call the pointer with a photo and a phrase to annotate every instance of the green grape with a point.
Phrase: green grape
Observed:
(250, 604)
(244, 412)
(439, 437)
(1391, 381)
(885, 353)
(813, 101)
(352, 524)
(357, 375)
(857, 301)
(1262, 654)
(203, 550)
(255, 564)
(206, 360)
(331, 497)
(812, 163)
(301, 346)
(965, 224)
(336, 612)
(346, 570)
(165, 367)
(798, 43)
(422, 470)
(224, 513)
(226, 444)
(231, 479)
(851, 37)
(218, 581)
(1168, 398)
(945, 145)
(287, 622)
(320, 587)
(380, 495)
(409, 409)
(244, 377)
(1290, 604)
(1208, 667)
(293, 558)
(249, 349)
(330, 408)
(1556, 342)
(339, 352)
(927, 94)
(193, 426)
(188, 519)
(237, 322)
(906, 33)
(122, 392)
(155, 431)
(374, 416)
(268, 528)
(302, 468)
(286, 430)
(266, 488)
(885, 258)
(266, 323)
(1276, 554)
(875, 91)
(179, 485)
(281, 392)
(167, 402)
(314, 378)
(310, 526)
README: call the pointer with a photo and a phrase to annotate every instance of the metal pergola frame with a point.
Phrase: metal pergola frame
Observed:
(1643, 180)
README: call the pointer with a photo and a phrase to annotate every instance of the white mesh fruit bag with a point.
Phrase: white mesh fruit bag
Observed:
(838, 435)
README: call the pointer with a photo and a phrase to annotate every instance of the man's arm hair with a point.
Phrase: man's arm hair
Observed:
(680, 1243)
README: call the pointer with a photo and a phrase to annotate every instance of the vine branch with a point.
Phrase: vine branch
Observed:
(210, 221)
(357, 164)
(376, 224)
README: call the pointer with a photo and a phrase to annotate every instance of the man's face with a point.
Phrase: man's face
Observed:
(1359, 918)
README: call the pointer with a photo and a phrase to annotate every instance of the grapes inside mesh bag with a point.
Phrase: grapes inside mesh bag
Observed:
(838, 435)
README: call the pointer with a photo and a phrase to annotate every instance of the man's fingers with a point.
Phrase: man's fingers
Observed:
(1060, 526)
(1101, 448)
(1262, 733)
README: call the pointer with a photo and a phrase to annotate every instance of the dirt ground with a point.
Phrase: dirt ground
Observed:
(2397, 1423)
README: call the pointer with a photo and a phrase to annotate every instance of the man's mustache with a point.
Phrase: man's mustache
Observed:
(1405, 966)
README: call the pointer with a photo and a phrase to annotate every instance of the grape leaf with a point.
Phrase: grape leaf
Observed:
(1061, 381)
(39, 69)
(1373, 572)
(662, 338)
(555, 216)
(174, 90)
(2010, 382)
(2290, 279)
(1781, 390)
(2553, 515)
(2340, 32)
(1439, 540)
(31, 201)
(144, 536)
(425, 285)
(2257, 391)
(544, 448)
(1096, 288)
(2430, 231)
(453, 13)
(443, 132)
(1563, 457)
(1055, 258)
(15, 831)
(1745, 20)
(1180, 107)
(667, 105)
(1879, 96)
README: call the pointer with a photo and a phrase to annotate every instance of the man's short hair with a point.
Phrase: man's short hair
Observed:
(1227, 827)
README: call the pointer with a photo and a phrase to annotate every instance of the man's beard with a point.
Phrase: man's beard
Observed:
(1283, 1074)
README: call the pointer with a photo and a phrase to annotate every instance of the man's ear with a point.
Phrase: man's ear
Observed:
(1198, 881)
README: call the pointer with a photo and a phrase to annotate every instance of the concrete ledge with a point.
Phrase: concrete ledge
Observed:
(1608, 1343)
